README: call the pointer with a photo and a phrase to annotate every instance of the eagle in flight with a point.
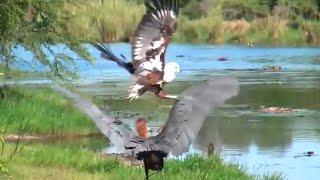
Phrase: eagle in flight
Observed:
(149, 44)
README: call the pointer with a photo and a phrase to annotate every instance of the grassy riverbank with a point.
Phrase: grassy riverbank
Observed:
(41, 111)
(287, 22)
(52, 161)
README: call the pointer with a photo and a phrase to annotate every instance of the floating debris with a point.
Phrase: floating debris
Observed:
(310, 153)
(180, 56)
(222, 59)
(276, 109)
(272, 68)
(120, 114)
(306, 154)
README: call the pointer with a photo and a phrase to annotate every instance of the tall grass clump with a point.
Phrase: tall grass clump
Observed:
(207, 28)
(193, 167)
(311, 30)
(69, 157)
(205, 21)
(108, 21)
(2, 73)
(267, 30)
(40, 111)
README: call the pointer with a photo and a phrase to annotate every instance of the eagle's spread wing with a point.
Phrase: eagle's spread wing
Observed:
(153, 35)
(188, 115)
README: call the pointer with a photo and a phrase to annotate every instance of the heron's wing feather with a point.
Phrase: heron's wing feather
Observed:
(188, 115)
(117, 132)
(153, 35)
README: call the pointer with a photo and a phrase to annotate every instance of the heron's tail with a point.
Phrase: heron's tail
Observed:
(107, 54)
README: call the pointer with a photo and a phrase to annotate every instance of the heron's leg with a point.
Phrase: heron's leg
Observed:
(146, 170)
(162, 173)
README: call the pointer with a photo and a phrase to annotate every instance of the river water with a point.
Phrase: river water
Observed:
(242, 133)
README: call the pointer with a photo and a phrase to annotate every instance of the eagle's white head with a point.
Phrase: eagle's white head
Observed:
(170, 71)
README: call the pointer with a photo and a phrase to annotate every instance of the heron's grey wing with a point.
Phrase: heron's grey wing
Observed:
(117, 132)
(153, 34)
(188, 115)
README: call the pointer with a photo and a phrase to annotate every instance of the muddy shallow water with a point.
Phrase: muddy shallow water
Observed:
(242, 132)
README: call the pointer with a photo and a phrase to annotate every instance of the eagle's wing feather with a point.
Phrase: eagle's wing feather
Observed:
(153, 35)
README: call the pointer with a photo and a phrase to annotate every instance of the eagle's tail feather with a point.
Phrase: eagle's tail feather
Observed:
(107, 54)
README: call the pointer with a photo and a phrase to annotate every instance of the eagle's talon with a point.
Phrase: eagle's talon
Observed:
(171, 97)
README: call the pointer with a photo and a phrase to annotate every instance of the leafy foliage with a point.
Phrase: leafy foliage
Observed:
(37, 25)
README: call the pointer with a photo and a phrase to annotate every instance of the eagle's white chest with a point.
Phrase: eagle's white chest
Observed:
(169, 76)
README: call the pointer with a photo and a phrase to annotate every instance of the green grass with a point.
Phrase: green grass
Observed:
(40, 111)
(80, 163)
(1, 73)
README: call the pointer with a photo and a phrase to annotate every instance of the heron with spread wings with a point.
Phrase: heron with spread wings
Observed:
(149, 44)
(180, 130)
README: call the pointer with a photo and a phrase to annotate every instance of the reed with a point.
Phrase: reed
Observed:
(108, 21)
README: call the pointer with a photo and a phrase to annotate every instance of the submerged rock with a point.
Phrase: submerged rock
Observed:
(222, 59)
(306, 154)
(180, 56)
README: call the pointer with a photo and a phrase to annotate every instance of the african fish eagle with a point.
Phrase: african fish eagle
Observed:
(149, 44)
